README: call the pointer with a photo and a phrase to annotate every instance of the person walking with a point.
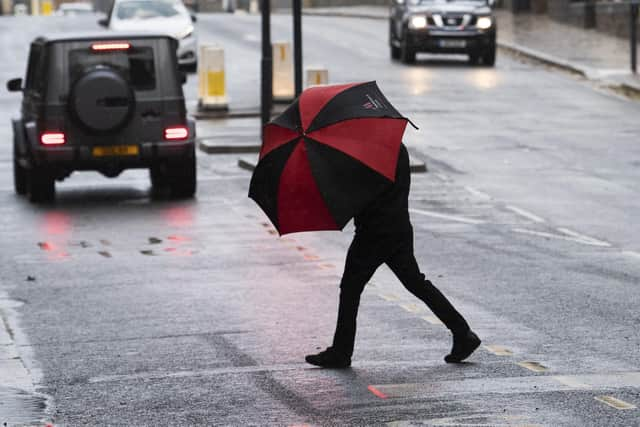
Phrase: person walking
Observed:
(384, 235)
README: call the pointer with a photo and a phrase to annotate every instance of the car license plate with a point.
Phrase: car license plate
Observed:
(453, 43)
(115, 150)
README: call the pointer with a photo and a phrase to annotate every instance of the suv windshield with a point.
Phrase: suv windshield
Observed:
(145, 9)
(136, 65)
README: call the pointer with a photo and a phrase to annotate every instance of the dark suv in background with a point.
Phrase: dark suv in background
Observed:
(102, 102)
(443, 26)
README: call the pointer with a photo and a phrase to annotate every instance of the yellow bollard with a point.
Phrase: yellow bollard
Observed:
(212, 94)
(283, 86)
(317, 76)
(47, 7)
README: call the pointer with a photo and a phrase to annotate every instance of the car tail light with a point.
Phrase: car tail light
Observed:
(105, 46)
(52, 138)
(176, 133)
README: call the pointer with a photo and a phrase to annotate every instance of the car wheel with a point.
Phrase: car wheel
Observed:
(489, 57)
(19, 175)
(40, 186)
(395, 52)
(177, 179)
(407, 53)
(183, 179)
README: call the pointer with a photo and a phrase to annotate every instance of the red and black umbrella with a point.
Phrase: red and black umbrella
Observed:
(327, 156)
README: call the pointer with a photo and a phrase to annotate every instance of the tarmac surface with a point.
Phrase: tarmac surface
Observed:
(121, 309)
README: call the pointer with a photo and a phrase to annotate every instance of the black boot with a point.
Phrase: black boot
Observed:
(463, 345)
(329, 358)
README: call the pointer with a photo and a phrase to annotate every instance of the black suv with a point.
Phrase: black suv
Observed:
(443, 26)
(95, 102)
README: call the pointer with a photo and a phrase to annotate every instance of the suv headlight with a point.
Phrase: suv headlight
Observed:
(484, 22)
(185, 33)
(418, 22)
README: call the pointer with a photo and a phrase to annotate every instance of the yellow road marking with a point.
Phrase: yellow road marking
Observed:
(433, 320)
(533, 366)
(615, 403)
(498, 350)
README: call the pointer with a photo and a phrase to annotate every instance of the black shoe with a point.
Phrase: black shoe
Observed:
(329, 359)
(463, 345)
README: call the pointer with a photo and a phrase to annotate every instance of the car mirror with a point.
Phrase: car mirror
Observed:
(183, 76)
(104, 22)
(14, 85)
(193, 18)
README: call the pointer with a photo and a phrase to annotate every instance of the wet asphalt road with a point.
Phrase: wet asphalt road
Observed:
(122, 310)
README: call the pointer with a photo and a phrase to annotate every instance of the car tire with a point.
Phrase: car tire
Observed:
(178, 179)
(395, 52)
(19, 175)
(489, 57)
(407, 52)
(41, 186)
(183, 179)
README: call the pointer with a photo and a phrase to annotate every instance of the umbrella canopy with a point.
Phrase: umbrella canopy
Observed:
(326, 157)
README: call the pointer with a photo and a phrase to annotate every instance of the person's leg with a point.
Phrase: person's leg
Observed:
(404, 265)
(362, 261)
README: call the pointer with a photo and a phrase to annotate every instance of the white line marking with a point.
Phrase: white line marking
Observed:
(448, 217)
(570, 381)
(442, 177)
(412, 308)
(525, 214)
(433, 320)
(631, 254)
(590, 242)
(586, 239)
(478, 193)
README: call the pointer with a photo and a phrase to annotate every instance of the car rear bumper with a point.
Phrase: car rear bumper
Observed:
(74, 158)
(438, 41)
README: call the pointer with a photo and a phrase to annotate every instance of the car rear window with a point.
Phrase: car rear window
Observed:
(135, 64)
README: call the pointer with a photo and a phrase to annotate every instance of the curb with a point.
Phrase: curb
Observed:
(542, 57)
(212, 148)
(415, 166)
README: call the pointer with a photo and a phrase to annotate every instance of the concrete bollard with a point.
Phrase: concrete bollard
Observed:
(212, 94)
(317, 76)
(35, 7)
(283, 85)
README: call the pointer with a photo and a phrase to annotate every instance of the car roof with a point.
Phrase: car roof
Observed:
(98, 36)
(104, 35)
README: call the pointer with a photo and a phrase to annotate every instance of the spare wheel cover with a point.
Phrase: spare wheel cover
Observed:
(102, 100)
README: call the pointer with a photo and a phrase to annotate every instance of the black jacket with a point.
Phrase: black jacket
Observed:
(389, 212)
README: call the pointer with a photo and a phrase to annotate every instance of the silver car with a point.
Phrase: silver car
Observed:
(165, 16)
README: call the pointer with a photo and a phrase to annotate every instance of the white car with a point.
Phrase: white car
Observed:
(75, 8)
(158, 16)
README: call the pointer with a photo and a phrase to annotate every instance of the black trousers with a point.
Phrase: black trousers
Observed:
(365, 255)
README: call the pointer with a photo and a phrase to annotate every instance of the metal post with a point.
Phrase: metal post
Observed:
(297, 45)
(634, 35)
(266, 97)
(590, 14)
